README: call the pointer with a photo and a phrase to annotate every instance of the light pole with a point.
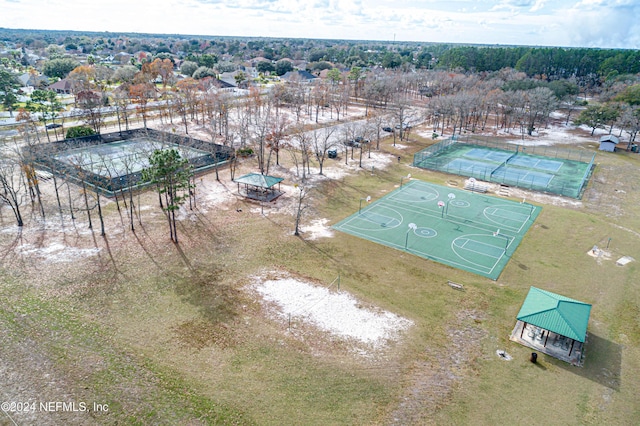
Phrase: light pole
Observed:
(408, 177)
(361, 200)
(412, 226)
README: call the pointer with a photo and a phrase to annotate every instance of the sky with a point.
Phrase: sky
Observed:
(571, 23)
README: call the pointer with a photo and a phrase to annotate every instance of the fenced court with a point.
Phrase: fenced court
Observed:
(113, 162)
(121, 158)
(466, 230)
(547, 169)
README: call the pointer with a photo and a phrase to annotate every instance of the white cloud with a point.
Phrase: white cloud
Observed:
(600, 23)
(589, 23)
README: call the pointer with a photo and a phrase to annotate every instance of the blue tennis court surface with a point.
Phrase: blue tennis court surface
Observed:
(536, 163)
(528, 177)
(469, 166)
(490, 155)
(512, 166)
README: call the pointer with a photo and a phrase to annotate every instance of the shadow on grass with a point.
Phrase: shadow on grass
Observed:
(602, 362)
(219, 306)
(217, 302)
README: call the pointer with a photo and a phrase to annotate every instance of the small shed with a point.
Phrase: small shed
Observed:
(259, 187)
(608, 143)
(553, 324)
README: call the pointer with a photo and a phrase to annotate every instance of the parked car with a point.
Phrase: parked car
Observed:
(53, 126)
(332, 153)
(405, 126)
(387, 129)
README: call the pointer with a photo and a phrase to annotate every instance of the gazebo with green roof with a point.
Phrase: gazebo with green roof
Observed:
(545, 314)
(259, 187)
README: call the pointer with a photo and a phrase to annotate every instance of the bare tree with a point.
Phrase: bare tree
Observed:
(303, 192)
(121, 101)
(540, 103)
(402, 112)
(347, 133)
(301, 144)
(630, 121)
(12, 186)
(322, 140)
(91, 104)
(277, 133)
(26, 158)
(375, 122)
(319, 97)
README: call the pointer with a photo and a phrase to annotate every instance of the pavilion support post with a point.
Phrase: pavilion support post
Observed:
(572, 343)
(545, 340)
(523, 327)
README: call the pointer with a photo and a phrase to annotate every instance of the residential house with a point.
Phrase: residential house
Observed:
(63, 86)
(33, 80)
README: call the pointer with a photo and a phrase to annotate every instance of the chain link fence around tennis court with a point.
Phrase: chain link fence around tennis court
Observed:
(87, 160)
(521, 166)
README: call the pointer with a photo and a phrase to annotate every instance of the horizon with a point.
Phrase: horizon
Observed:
(214, 36)
(532, 23)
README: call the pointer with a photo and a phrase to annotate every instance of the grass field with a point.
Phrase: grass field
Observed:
(167, 334)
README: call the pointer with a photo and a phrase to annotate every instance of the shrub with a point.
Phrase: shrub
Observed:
(79, 131)
(244, 152)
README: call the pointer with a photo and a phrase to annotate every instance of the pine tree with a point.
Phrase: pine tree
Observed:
(171, 174)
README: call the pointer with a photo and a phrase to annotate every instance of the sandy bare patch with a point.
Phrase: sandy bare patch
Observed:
(332, 311)
(317, 229)
(425, 134)
(337, 169)
(56, 252)
(212, 193)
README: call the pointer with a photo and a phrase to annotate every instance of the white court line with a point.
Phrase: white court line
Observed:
(464, 263)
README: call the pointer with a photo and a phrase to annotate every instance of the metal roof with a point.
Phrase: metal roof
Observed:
(256, 179)
(609, 138)
(556, 313)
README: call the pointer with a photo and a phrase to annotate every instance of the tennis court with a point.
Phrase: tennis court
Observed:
(122, 157)
(112, 162)
(466, 230)
(511, 165)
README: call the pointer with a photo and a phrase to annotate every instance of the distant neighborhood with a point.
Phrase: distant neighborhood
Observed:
(62, 79)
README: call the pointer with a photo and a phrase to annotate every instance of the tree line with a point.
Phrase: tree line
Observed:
(549, 63)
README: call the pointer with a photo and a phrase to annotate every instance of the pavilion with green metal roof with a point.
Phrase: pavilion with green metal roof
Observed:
(553, 324)
(259, 187)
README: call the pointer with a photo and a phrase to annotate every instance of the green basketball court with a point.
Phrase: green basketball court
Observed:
(465, 230)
